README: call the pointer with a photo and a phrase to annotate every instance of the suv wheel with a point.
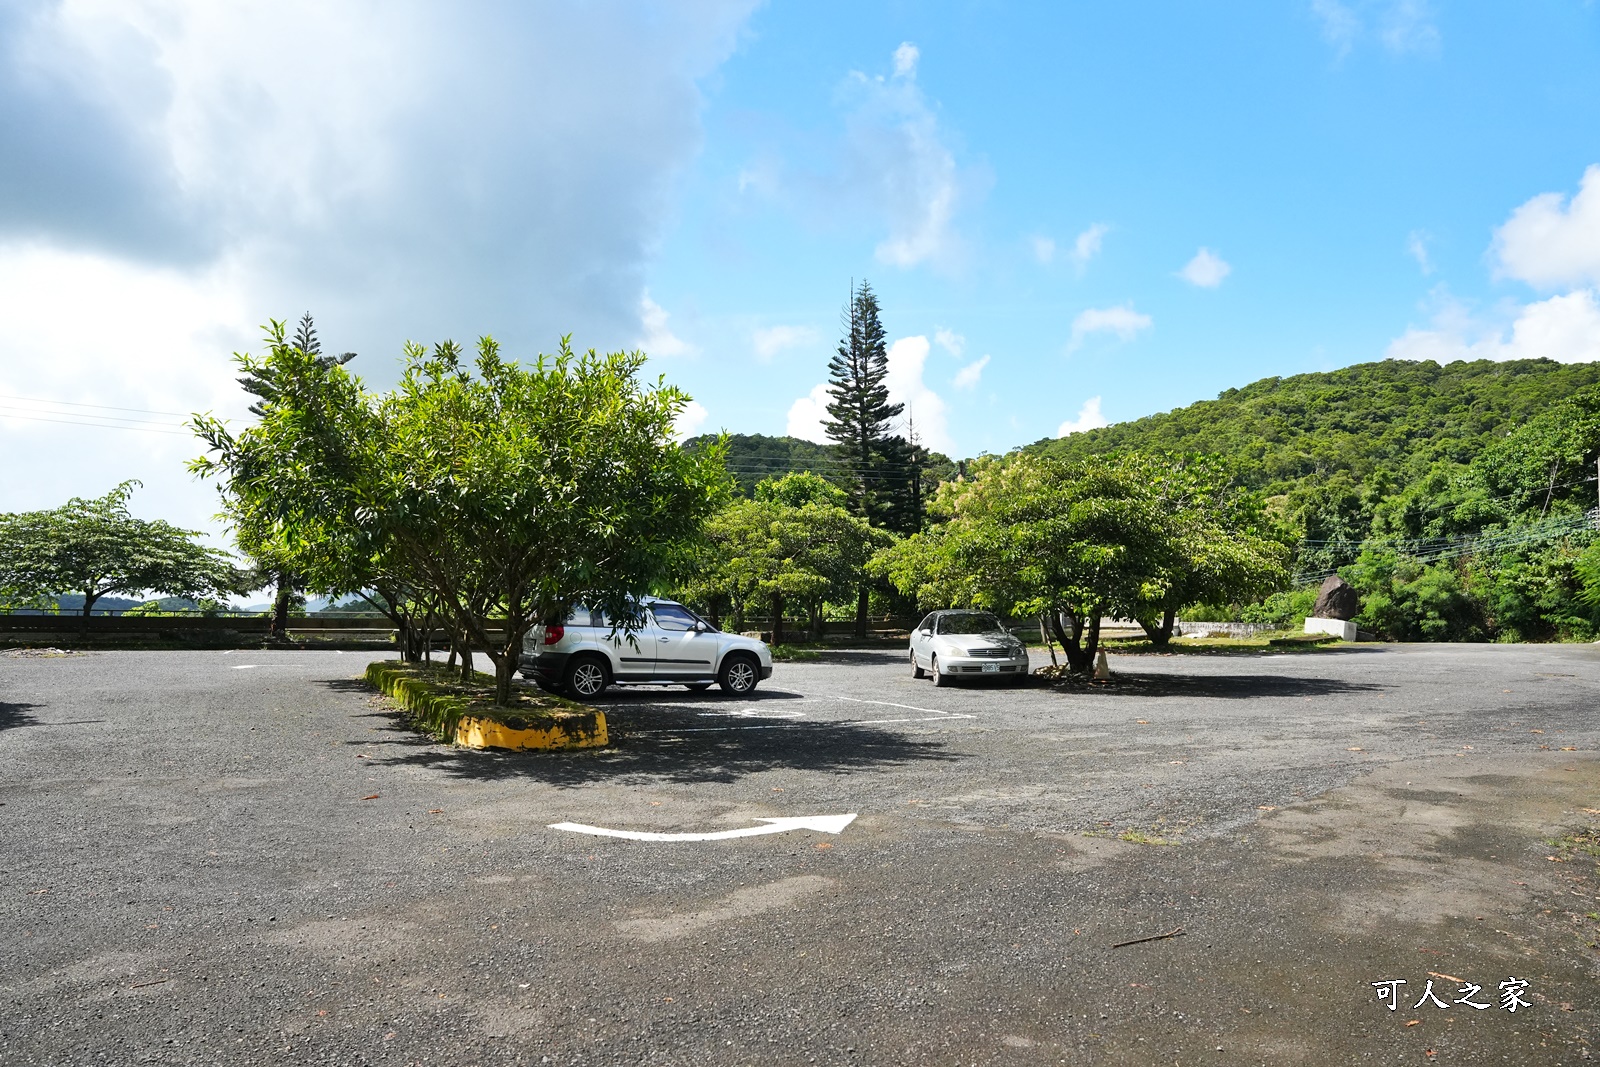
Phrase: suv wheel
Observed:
(739, 675)
(587, 677)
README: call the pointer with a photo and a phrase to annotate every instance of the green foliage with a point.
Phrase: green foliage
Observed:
(795, 542)
(436, 700)
(500, 490)
(1403, 600)
(1395, 416)
(95, 547)
(1072, 541)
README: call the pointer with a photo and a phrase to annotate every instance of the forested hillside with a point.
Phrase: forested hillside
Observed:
(753, 457)
(1456, 498)
(1393, 418)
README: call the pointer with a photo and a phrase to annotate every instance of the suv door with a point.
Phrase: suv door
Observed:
(633, 655)
(682, 651)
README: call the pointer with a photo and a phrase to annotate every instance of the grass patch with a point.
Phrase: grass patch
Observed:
(792, 653)
(1280, 641)
(435, 700)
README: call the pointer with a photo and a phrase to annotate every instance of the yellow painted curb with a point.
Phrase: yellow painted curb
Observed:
(569, 731)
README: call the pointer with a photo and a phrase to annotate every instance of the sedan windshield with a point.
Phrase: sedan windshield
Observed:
(970, 624)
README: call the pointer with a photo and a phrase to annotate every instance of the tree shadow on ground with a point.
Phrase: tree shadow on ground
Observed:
(681, 738)
(14, 715)
(1219, 686)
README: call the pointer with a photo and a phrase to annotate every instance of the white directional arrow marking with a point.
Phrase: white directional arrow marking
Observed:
(828, 824)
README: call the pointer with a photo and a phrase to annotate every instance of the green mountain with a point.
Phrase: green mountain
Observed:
(1394, 418)
(754, 456)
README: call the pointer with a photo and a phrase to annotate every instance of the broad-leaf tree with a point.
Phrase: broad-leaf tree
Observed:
(506, 492)
(1031, 535)
(95, 547)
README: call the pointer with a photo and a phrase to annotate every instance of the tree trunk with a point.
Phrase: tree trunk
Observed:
(861, 611)
(1044, 635)
(89, 597)
(1079, 661)
(1159, 635)
(279, 631)
(1092, 645)
(777, 618)
(504, 667)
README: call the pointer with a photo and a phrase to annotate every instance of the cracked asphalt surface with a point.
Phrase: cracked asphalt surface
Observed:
(242, 857)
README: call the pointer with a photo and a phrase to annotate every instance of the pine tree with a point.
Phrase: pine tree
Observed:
(860, 415)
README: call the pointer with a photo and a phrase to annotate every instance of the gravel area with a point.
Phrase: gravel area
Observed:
(242, 857)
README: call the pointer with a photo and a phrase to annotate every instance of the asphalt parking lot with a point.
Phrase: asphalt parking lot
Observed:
(242, 857)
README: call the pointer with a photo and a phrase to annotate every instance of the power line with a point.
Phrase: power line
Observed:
(139, 427)
(104, 407)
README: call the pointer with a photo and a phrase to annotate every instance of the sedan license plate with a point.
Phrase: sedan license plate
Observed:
(991, 668)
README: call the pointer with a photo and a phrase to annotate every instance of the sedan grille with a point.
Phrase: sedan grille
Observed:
(989, 653)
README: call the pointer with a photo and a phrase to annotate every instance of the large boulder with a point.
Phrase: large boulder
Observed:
(1337, 599)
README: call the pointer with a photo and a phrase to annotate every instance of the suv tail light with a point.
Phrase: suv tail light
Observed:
(552, 634)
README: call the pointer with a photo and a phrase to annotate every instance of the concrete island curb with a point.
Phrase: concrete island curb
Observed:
(455, 718)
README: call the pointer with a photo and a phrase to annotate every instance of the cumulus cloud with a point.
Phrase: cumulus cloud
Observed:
(950, 341)
(400, 169)
(967, 377)
(1563, 328)
(1123, 322)
(1550, 241)
(1044, 248)
(689, 421)
(770, 340)
(808, 415)
(905, 60)
(658, 338)
(1088, 418)
(924, 408)
(1206, 269)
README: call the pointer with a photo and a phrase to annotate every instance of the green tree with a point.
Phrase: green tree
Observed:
(1069, 542)
(507, 492)
(1224, 549)
(860, 416)
(96, 548)
(795, 542)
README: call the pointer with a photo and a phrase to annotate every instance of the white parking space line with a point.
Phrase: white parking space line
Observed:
(792, 715)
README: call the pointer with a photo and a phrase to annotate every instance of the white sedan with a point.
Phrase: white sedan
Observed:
(965, 644)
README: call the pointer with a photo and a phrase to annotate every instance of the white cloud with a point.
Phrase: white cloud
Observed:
(1550, 241)
(658, 339)
(235, 162)
(771, 340)
(924, 407)
(950, 341)
(1044, 249)
(1123, 321)
(807, 415)
(1408, 26)
(1340, 26)
(1087, 245)
(1206, 269)
(1563, 328)
(1402, 26)
(1417, 246)
(689, 421)
(967, 377)
(905, 60)
(1089, 418)
(898, 160)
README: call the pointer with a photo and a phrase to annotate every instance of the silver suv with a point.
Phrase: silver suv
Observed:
(587, 653)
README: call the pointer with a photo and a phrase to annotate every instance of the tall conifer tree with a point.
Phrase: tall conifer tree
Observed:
(860, 415)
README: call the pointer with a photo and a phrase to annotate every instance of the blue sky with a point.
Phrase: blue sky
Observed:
(1072, 214)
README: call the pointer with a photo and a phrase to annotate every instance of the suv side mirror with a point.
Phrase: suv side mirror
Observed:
(700, 627)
